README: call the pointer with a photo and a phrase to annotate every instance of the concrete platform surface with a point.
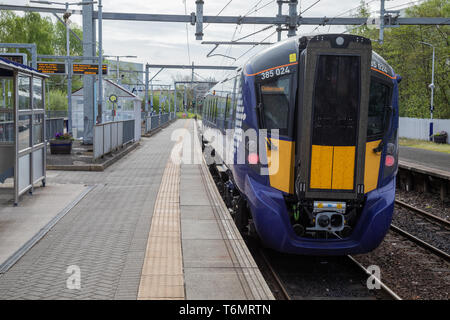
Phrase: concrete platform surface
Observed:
(19, 224)
(427, 158)
(149, 229)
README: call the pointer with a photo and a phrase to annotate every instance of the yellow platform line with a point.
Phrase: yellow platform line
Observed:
(162, 272)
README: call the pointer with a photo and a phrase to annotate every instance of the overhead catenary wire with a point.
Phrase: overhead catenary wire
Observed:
(302, 12)
(342, 13)
(253, 9)
(218, 14)
(256, 45)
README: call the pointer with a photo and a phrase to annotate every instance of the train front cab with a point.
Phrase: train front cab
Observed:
(341, 188)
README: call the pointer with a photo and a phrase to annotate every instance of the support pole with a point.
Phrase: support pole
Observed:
(292, 18)
(146, 87)
(432, 98)
(117, 69)
(280, 13)
(100, 62)
(382, 12)
(175, 98)
(69, 78)
(88, 80)
(199, 20)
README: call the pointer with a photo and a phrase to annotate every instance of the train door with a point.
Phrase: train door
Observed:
(332, 118)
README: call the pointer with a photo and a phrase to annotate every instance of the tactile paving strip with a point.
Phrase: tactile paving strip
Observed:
(162, 273)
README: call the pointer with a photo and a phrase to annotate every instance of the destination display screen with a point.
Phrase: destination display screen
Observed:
(88, 69)
(14, 58)
(51, 68)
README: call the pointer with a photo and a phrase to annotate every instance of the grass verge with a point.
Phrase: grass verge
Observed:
(427, 145)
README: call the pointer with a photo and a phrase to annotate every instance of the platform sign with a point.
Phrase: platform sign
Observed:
(51, 67)
(15, 57)
(87, 69)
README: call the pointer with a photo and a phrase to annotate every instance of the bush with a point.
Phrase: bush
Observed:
(57, 101)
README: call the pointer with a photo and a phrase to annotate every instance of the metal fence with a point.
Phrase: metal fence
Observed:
(414, 128)
(154, 122)
(112, 135)
(53, 126)
(56, 114)
(128, 131)
(164, 118)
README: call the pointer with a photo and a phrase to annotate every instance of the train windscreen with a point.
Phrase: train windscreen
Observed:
(380, 96)
(336, 100)
(275, 96)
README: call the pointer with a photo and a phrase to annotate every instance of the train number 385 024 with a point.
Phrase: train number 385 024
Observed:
(275, 72)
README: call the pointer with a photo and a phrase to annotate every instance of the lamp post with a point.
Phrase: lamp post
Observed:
(431, 86)
(118, 63)
(68, 61)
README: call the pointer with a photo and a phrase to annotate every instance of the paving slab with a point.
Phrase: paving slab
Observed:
(196, 212)
(213, 284)
(206, 253)
(200, 229)
(19, 224)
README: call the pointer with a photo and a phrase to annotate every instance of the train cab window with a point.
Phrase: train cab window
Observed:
(336, 100)
(380, 96)
(275, 97)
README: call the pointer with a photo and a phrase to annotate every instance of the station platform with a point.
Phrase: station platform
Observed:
(426, 158)
(147, 227)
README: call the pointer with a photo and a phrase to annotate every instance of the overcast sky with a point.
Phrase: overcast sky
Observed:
(166, 43)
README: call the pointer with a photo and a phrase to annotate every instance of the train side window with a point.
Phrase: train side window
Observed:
(380, 98)
(274, 98)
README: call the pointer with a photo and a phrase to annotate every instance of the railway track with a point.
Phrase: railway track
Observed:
(293, 277)
(424, 229)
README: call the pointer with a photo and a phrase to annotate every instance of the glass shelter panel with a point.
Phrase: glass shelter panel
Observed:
(37, 93)
(24, 83)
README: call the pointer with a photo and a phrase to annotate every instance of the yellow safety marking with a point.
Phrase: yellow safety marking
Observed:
(321, 167)
(281, 165)
(292, 57)
(343, 168)
(372, 166)
(162, 272)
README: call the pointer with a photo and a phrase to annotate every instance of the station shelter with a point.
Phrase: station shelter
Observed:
(22, 127)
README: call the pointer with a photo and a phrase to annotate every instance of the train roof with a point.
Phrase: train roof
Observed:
(282, 54)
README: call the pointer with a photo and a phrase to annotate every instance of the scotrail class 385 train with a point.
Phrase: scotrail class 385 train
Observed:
(307, 132)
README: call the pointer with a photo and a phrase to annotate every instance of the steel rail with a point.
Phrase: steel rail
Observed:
(423, 213)
(274, 275)
(388, 290)
(421, 243)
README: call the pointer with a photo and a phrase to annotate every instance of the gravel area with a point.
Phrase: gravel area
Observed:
(426, 201)
(410, 271)
(422, 228)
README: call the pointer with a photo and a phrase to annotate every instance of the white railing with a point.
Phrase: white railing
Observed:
(414, 128)
(110, 136)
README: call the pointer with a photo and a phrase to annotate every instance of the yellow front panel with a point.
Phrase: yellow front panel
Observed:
(321, 167)
(372, 167)
(281, 165)
(343, 168)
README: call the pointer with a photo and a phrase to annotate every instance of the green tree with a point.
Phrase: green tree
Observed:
(412, 60)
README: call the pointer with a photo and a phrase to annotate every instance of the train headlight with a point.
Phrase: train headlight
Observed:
(339, 41)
